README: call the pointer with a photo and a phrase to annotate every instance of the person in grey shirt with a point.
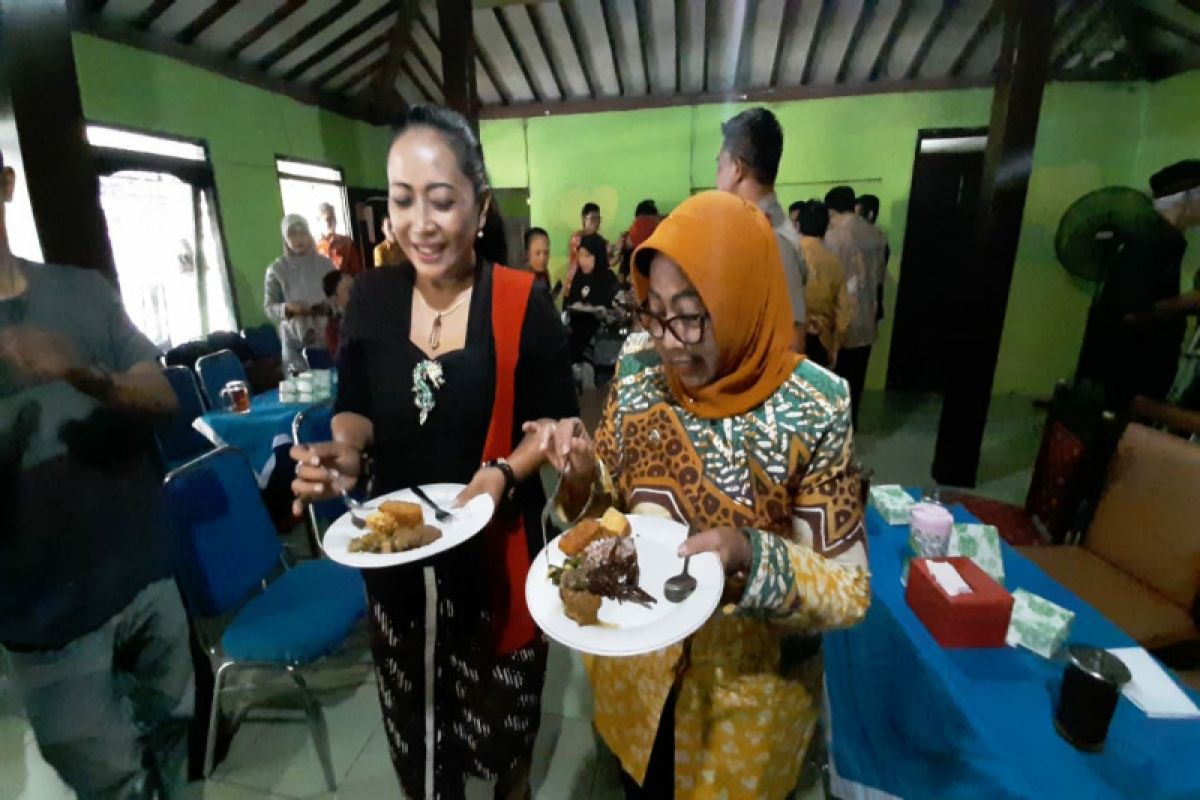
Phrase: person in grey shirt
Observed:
(90, 618)
(747, 166)
(294, 293)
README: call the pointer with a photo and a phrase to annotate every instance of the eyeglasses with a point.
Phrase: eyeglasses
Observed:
(686, 328)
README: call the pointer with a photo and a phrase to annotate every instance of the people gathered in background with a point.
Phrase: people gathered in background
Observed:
(862, 250)
(338, 248)
(590, 220)
(594, 289)
(645, 220)
(830, 308)
(746, 166)
(294, 293)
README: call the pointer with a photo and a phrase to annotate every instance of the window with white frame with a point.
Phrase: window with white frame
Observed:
(306, 186)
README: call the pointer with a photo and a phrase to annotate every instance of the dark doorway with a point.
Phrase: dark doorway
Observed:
(945, 192)
(368, 208)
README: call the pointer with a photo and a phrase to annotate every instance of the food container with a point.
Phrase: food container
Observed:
(981, 544)
(1091, 686)
(1037, 624)
(287, 391)
(977, 619)
(929, 529)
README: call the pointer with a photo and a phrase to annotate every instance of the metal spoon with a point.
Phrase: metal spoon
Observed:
(680, 587)
(351, 504)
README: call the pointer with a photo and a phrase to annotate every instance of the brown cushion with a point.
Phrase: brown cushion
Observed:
(1151, 619)
(1146, 521)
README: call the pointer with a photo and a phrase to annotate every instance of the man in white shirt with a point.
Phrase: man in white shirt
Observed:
(747, 166)
(862, 249)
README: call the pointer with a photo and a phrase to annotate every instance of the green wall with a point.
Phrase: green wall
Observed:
(244, 127)
(1088, 138)
(1170, 133)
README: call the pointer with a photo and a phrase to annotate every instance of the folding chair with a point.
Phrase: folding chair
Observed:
(215, 371)
(229, 572)
(178, 441)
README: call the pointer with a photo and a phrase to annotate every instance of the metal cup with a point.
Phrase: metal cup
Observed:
(1091, 686)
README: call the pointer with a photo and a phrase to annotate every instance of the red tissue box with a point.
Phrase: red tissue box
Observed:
(978, 619)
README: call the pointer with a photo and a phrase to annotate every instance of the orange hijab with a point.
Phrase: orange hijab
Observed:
(729, 252)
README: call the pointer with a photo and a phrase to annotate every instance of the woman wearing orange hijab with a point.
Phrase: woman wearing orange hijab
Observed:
(713, 420)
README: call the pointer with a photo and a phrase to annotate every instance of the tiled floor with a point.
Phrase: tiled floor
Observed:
(275, 758)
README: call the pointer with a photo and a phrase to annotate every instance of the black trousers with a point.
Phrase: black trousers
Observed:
(816, 351)
(660, 773)
(852, 365)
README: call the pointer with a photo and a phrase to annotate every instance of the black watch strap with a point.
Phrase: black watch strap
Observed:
(510, 477)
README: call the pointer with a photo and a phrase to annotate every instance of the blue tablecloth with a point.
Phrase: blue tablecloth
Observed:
(911, 719)
(257, 433)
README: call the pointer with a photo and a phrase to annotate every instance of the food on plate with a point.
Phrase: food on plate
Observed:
(581, 606)
(395, 528)
(616, 523)
(408, 515)
(602, 564)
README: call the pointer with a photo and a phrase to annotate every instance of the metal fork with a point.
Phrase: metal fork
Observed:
(440, 513)
(351, 504)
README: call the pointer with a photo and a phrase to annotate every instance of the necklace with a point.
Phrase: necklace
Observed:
(435, 333)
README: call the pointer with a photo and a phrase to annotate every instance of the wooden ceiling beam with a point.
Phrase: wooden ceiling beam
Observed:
(155, 10)
(368, 69)
(889, 40)
(225, 67)
(982, 28)
(344, 38)
(810, 58)
(510, 38)
(787, 25)
(408, 72)
(427, 66)
(577, 45)
(743, 57)
(931, 34)
(359, 54)
(204, 21)
(306, 33)
(679, 9)
(1169, 25)
(766, 95)
(1081, 26)
(865, 12)
(383, 85)
(534, 13)
(710, 25)
(610, 32)
(459, 49)
(264, 26)
(489, 69)
(641, 15)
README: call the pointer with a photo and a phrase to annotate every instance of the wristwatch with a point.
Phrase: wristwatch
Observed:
(510, 477)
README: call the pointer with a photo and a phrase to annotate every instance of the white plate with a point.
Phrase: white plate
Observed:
(628, 629)
(468, 521)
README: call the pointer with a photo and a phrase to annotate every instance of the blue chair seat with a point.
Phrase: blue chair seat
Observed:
(303, 615)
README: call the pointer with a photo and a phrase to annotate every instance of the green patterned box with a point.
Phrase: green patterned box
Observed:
(893, 503)
(1037, 624)
(981, 544)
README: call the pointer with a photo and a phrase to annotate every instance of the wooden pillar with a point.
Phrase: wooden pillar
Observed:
(39, 65)
(982, 295)
(458, 58)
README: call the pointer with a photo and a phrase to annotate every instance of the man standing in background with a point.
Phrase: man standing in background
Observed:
(90, 617)
(747, 166)
(337, 248)
(862, 249)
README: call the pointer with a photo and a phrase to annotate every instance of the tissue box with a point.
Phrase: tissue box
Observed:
(893, 503)
(981, 544)
(1037, 624)
(978, 619)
